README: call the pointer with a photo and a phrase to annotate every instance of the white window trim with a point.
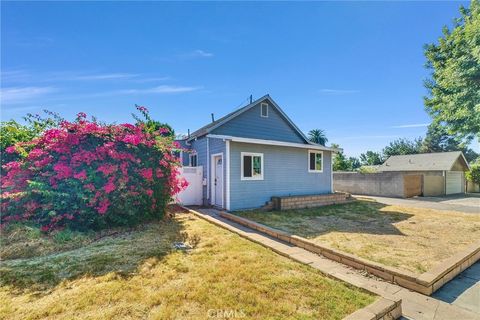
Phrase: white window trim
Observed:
(212, 181)
(242, 154)
(261, 106)
(308, 161)
(190, 158)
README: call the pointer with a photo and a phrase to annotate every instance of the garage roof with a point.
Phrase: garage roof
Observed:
(425, 162)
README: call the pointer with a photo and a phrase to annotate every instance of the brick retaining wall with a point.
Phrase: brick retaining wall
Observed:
(309, 201)
(425, 283)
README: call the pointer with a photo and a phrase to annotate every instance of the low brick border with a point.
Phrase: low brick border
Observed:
(310, 201)
(425, 283)
(381, 309)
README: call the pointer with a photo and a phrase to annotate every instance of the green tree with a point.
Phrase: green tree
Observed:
(371, 158)
(353, 163)
(474, 173)
(402, 146)
(340, 162)
(454, 86)
(318, 136)
(150, 124)
(12, 132)
(367, 169)
(439, 140)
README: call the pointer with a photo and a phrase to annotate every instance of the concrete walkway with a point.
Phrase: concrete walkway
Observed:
(464, 290)
(415, 306)
(465, 204)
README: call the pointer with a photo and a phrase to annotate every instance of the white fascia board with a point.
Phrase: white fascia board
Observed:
(273, 143)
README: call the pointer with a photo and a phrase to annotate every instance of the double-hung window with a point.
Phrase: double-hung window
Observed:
(193, 160)
(251, 166)
(315, 161)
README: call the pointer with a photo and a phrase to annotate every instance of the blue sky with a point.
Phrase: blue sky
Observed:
(354, 69)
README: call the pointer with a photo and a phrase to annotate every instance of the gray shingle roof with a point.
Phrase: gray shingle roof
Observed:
(424, 162)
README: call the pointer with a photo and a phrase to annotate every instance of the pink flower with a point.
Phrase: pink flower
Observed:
(11, 149)
(163, 163)
(163, 130)
(149, 192)
(128, 126)
(43, 162)
(107, 169)
(82, 175)
(36, 153)
(110, 186)
(132, 139)
(103, 206)
(159, 173)
(13, 165)
(142, 109)
(63, 170)
(147, 173)
(81, 115)
(124, 168)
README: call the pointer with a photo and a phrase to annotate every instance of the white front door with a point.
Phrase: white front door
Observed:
(218, 182)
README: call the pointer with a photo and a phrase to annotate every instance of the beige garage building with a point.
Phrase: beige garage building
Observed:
(443, 173)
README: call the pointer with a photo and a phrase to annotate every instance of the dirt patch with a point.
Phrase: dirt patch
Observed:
(413, 239)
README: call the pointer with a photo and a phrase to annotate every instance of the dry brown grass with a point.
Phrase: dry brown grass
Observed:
(413, 239)
(137, 274)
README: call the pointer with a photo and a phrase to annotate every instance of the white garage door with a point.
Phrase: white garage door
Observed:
(454, 182)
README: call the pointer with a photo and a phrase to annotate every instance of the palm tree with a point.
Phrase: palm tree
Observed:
(318, 136)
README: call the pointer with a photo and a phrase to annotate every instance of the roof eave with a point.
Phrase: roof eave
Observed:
(275, 143)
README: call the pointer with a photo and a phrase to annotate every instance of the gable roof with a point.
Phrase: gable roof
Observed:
(424, 162)
(212, 126)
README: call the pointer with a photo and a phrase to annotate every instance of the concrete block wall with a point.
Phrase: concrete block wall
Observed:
(388, 184)
(308, 201)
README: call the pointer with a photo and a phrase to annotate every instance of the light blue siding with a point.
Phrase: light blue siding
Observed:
(201, 145)
(285, 173)
(251, 125)
(184, 154)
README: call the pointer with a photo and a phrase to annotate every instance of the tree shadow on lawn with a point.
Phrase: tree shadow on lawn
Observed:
(122, 253)
(356, 217)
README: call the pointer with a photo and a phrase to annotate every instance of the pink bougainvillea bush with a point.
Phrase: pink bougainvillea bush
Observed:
(87, 175)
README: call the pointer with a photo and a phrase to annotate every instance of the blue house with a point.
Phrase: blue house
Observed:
(254, 153)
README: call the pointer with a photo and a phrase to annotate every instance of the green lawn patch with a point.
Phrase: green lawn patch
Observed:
(139, 274)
